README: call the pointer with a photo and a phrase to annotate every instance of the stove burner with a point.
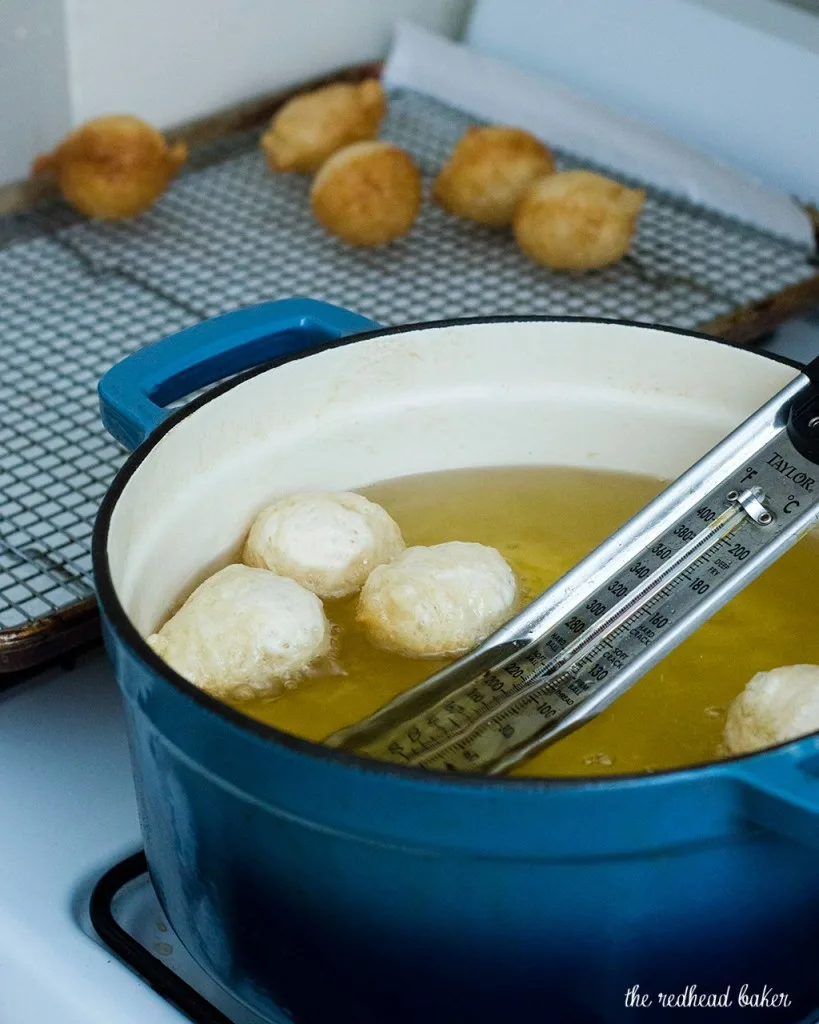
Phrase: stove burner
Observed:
(126, 916)
(140, 959)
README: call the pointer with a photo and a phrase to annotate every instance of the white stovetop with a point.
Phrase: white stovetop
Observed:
(68, 814)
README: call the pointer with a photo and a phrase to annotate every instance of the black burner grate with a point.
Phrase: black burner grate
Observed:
(125, 892)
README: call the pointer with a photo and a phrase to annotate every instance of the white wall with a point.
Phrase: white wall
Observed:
(34, 101)
(793, 21)
(172, 60)
(63, 61)
(738, 79)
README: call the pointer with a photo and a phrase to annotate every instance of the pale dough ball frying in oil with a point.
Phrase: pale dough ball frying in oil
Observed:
(435, 601)
(244, 632)
(775, 707)
(327, 542)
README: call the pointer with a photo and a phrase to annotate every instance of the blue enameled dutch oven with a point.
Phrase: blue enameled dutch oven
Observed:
(337, 888)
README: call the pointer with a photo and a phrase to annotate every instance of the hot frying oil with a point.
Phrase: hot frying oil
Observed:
(544, 520)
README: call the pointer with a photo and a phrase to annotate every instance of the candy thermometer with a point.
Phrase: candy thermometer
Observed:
(603, 625)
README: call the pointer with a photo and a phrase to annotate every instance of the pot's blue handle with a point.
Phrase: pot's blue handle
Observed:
(132, 393)
(781, 791)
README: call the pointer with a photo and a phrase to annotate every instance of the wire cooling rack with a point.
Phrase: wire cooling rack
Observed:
(78, 296)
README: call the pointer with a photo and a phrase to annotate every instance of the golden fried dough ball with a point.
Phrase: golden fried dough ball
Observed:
(329, 542)
(113, 167)
(577, 220)
(435, 601)
(488, 172)
(311, 127)
(368, 193)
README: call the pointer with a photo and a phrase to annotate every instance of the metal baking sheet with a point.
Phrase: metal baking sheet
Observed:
(77, 296)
